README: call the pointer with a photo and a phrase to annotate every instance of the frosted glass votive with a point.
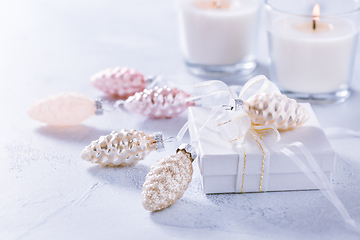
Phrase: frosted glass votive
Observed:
(312, 51)
(218, 37)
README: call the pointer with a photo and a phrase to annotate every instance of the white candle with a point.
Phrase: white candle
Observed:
(311, 60)
(218, 32)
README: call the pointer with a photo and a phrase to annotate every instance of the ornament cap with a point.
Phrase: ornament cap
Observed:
(238, 104)
(150, 79)
(189, 149)
(98, 106)
(159, 141)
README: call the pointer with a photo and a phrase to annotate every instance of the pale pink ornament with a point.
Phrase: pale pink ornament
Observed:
(121, 82)
(158, 102)
(64, 109)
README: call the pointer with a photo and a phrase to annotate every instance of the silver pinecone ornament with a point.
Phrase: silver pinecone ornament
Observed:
(122, 148)
(168, 179)
(275, 109)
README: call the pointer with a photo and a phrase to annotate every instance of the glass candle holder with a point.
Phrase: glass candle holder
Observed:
(218, 37)
(312, 47)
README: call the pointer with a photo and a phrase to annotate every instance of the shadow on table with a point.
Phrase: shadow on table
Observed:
(130, 176)
(76, 133)
(291, 213)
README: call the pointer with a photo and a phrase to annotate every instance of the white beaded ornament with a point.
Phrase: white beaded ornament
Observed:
(122, 148)
(64, 109)
(168, 179)
(275, 109)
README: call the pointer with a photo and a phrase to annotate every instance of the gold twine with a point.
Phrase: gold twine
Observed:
(263, 162)
(262, 149)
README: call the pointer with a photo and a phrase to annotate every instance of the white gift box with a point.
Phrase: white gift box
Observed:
(222, 168)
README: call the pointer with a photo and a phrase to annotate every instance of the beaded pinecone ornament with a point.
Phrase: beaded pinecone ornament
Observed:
(158, 102)
(122, 148)
(275, 109)
(168, 179)
(119, 81)
(64, 109)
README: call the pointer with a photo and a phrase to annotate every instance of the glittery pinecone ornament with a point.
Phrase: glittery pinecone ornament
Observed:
(277, 110)
(64, 109)
(168, 179)
(119, 81)
(158, 102)
(122, 148)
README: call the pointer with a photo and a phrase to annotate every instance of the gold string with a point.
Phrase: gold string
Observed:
(232, 119)
(267, 86)
(255, 83)
(237, 138)
(265, 129)
(263, 163)
(243, 176)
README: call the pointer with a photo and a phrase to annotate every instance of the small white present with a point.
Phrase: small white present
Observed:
(257, 168)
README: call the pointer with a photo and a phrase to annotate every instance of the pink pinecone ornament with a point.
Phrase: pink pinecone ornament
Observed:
(158, 102)
(121, 82)
(64, 109)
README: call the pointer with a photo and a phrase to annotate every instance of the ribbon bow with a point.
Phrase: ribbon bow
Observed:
(236, 126)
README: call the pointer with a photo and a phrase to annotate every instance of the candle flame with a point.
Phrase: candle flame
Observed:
(316, 12)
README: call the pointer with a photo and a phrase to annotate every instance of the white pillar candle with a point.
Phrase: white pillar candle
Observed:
(308, 60)
(218, 32)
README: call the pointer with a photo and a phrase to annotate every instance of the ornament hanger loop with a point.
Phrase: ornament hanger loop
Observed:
(236, 105)
(118, 103)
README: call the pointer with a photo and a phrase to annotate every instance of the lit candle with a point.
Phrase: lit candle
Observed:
(312, 56)
(218, 32)
(316, 15)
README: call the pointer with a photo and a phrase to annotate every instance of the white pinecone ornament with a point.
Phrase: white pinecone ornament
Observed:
(275, 109)
(121, 82)
(122, 148)
(158, 102)
(64, 109)
(168, 179)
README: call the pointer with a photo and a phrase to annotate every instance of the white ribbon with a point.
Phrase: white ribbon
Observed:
(317, 176)
(340, 132)
(256, 85)
(234, 126)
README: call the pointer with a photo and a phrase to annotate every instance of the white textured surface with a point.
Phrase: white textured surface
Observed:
(48, 192)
